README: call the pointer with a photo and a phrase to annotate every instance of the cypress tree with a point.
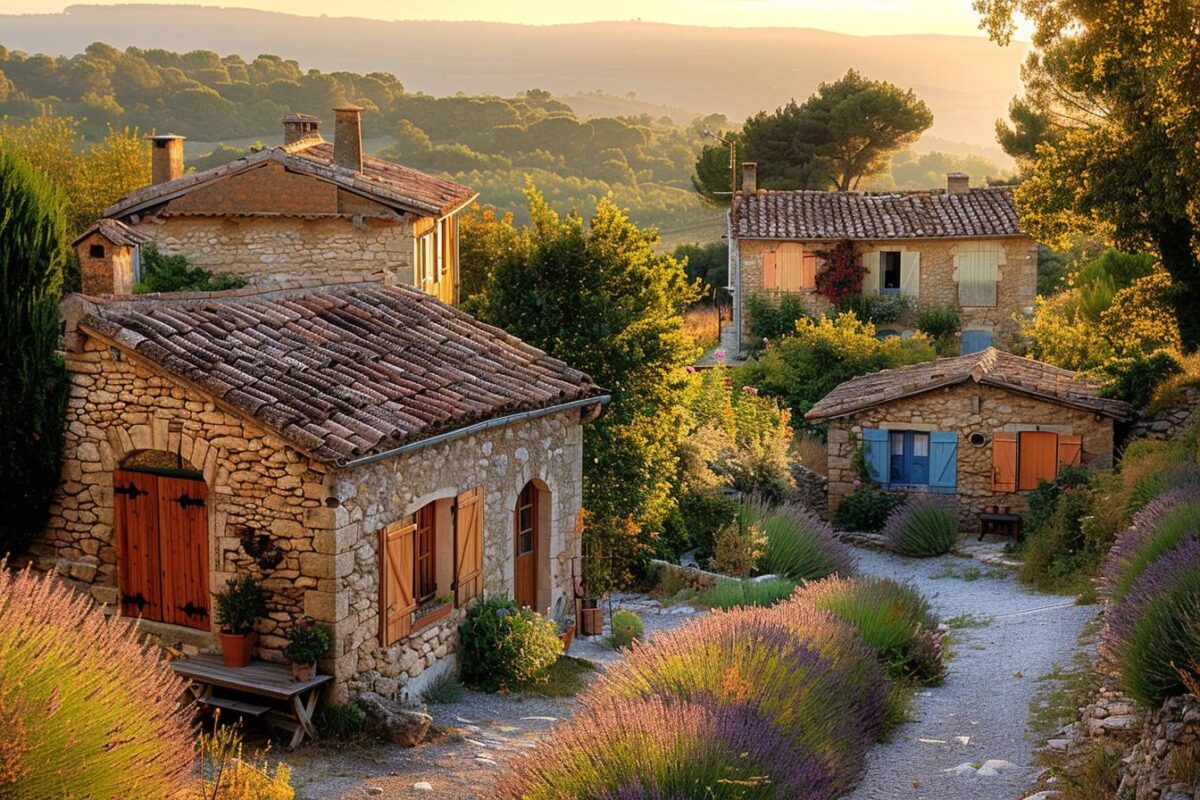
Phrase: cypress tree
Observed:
(33, 380)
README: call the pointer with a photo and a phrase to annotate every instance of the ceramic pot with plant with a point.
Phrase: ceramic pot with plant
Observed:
(307, 642)
(239, 606)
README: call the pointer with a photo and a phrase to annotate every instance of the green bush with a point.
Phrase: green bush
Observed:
(1134, 378)
(627, 627)
(874, 308)
(866, 510)
(739, 546)
(769, 321)
(727, 594)
(800, 545)
(700, 515)
(502, 646)
(939, 322)
(1064, 542)
(163, 273)
(341, 722)
(86, 710)
(923, 526)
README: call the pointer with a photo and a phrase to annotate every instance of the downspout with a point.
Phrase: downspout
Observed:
(735, 282)
(478, 427)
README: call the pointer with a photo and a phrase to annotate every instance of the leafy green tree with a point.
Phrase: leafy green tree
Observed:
(707, 264)
(601, 298)
(1107, 129)
(485, 239)
(712, 180)
(33, 382)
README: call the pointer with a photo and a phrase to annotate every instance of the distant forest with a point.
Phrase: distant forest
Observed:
(490, 143)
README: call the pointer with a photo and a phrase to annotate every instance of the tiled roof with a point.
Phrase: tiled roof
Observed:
(344, 371)
(819, 215)
(391, 184)
(116, 232)
(991, 367)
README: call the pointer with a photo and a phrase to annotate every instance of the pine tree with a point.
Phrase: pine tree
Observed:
(33, 381)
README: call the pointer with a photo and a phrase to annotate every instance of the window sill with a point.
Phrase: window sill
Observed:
(423, 617)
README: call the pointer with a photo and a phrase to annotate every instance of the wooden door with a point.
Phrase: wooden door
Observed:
(1038, 457)
(525, 548)
(139, 571)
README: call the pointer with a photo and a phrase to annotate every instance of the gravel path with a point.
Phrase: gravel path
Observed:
(985, 698)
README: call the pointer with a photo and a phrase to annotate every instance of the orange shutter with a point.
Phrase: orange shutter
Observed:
(1004, 462)
(468, 546)
(397, 600)
(770, 273)
(1038, 459)
(183, 543)
(808, 270)
(1070, 450)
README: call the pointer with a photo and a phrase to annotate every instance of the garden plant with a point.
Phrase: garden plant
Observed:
(503, 646)
(923, 526)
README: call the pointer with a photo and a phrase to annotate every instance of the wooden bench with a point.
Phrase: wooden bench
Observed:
(274, 683)
(1000, 525)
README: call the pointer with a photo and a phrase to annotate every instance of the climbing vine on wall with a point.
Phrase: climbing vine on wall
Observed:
(843, 273)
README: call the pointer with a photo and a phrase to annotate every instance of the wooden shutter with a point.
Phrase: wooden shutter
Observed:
(808, 270)
(975, 341)
(789, 261)
(1004, 462)
(770, 272)
(183, 543)
(943, 462)
(139, 568)
(468, 546)
(876, 454)
(1038, 457)
(978, 271)
(910, 274)
(871, 273)
(1070, 451)
(397, 599)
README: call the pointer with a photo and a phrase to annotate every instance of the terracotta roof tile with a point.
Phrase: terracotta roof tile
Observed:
(341, 371)
(991, 367)
(116, 232)
(819, 215)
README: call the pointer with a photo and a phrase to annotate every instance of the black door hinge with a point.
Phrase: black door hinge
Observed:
(138, 600)
(193, 610)
(131, 491)
(187, 500)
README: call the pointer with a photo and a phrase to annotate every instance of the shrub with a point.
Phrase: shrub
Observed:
(726, 594)
(923, 526)
(769, 321)
(1153, 633)
(700, 516)
(939, 322)
(502, 646)
(226, 774)
(171, 273)
(240, 604)
(342, 722)
(1135, 378)
(894, 619)
(627, 628)
(86, 709)
(1160, 527)
(873, 308)
(800, 545)
(307, 642)
(806, 674)
(866, 510)
(662, 748)
(739, 546)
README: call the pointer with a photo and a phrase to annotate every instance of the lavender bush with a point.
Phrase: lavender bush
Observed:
(800, 545)
(1160, 526)
(925, 525)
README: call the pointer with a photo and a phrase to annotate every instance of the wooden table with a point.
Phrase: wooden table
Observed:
(1001, 524)
(272, 682)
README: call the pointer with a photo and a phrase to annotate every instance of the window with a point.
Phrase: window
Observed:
(425, 257)
(910, 458)
(889, 272)
(791, 268)
(1022, 460)
(975, 341)
(525, 511)
(425, 577)
(977, 267)
(96, 251)
(440, 246)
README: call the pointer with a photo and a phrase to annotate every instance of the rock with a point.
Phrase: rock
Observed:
(374, 790)
(996, 766)
(964, 770)
(422, 786)
(399, 725)
(1058, 745)
(1049, 794)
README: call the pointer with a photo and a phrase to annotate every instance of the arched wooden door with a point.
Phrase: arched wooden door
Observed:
(162, 547)
(525, 546)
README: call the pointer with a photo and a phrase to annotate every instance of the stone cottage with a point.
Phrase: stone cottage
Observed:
(986, 427)
(960, 248)
(306, 212)
(378, 458)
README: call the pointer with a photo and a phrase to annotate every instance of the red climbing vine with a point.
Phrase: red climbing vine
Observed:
(843, 272)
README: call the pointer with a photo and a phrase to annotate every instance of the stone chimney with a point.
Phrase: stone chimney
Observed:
(749, 177)
(300, 126)
(347, 138)
(958, 183)
(166, 156)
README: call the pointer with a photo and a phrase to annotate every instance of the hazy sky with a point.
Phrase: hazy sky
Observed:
(846, 16)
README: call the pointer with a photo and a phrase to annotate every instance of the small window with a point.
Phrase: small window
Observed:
(910, 458)
(425, 557)
(96, 251)
(425, 258)
(889, 269)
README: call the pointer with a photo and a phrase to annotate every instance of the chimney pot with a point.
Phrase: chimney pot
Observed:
(166, 157)
(749, 177)
(958, 183)
(300, 126)
(347, 138)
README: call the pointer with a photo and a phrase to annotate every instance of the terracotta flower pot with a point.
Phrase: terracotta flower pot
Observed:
(591, 621)
(237, 648)
(566, 637)
(303, 672)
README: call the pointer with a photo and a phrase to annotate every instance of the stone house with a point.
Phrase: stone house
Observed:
(960, 248)
(378, 458)
(986, 427)
(303, 213)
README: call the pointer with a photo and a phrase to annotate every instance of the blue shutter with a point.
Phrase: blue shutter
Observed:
(975, 341)
(876, 454)
(943, 462)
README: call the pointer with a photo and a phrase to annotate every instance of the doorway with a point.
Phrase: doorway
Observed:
(525, 547)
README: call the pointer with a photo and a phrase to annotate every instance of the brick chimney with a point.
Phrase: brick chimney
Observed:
(166, 156)
(300, 126)
(347, 138)
(958, 183)
(749, 177)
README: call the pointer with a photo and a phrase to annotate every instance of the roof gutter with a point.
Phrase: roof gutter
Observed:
(478, 427)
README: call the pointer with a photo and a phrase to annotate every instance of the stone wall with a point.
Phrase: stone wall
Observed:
(278, 251)
(812, 489)
(1165, 763)
(956, 409)
(1015, 290)
(1171, 422)
(501, 460)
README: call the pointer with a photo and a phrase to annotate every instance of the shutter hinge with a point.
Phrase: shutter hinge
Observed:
(193, 610)
(138, 599)
(186, 500)
(131, 491)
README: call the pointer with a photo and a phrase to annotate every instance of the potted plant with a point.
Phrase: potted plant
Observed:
(239, 605)
(565, 622)
(306, 643)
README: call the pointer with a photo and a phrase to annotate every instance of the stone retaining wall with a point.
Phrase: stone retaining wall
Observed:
(1165, 763)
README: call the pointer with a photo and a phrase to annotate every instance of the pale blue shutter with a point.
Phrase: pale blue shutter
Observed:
(975, 341)
(876, 454)
(943, 462)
